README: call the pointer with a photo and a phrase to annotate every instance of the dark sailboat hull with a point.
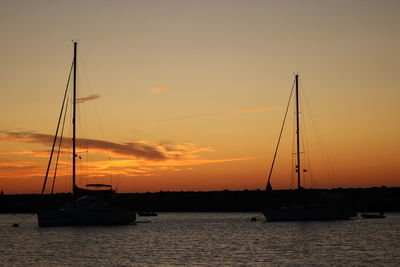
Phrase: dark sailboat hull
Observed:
(147, 213)
(85, 216)
(308, 214)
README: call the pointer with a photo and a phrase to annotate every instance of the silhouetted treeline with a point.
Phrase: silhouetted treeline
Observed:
(361, 199)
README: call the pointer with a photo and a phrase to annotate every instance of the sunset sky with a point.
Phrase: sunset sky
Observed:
(190, 95)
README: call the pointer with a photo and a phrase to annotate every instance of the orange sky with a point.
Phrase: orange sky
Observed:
(190, 95)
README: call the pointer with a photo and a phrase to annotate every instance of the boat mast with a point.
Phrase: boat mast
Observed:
(73, 122)
(298, 169)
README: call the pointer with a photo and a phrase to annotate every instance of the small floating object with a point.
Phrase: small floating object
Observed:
(253, 219)
(373, 216)
(15, 225)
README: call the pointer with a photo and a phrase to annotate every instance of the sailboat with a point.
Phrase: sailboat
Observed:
(307, 205)
(90, 206)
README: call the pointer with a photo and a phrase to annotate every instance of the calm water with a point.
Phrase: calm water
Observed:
(207, 239)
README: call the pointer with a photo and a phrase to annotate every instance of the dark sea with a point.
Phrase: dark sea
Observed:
(202, 239)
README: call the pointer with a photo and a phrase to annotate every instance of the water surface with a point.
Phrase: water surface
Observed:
(207, 239)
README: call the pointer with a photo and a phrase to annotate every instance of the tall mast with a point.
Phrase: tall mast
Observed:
(73, 121)
(298, 169)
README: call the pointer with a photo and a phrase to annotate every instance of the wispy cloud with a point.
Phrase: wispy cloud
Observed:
(87, 98)
(130, 159)
(150, 151)
(26, 137)
(254, 110)
(20, 169)
(237, 111)
(33, 153)
(131, 149)
(148, 168)
(158, 90)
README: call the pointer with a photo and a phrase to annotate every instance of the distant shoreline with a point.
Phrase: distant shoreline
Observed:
(361, 199)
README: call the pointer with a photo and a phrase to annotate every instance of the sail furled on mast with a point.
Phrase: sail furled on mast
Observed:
(298, 166)
(74, 122)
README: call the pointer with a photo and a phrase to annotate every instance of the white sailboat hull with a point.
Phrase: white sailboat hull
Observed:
(85, 216)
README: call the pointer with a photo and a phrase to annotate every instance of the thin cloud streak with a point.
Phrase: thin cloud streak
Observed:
(238, 111)
(103, 168)
(158, 90)
(87, 98)
(147, 168)
(254, 110)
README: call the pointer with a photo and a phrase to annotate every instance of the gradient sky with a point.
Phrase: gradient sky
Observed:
(190, 95)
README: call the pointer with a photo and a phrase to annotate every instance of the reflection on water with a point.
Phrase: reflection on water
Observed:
(202, 239)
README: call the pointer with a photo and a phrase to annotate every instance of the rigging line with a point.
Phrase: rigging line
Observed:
(279, 138)
(307, 160)
(323, 150)
(67, 172)
(86, 79)
(58, 126)
(82, 121)
(59, 147)
(81, 143)
(306, 145)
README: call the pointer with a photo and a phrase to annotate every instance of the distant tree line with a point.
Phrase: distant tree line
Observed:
(361, 199)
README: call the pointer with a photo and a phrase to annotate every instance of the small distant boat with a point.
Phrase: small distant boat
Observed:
(147, 213)
(380, 215)
(304, 208)
(90, 206)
